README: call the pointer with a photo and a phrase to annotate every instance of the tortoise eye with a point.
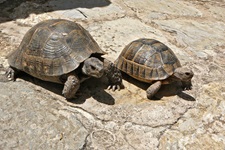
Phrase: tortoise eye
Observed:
(93, 68)
(187, 73)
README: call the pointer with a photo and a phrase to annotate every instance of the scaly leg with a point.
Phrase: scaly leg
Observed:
(10, 74)
(113, 74)
(71, 86)
(153, 89)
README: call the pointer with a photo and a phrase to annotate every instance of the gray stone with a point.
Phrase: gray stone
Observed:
(148, 10)
(27, 123)
(34, 114)
(194, 34)
(69, 14)
(99, 10)
(202, 55)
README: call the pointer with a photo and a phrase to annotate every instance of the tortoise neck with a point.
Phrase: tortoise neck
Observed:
(171, 79)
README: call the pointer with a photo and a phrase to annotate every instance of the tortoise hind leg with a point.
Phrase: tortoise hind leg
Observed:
(10, 74)
(71, 86)
(153, 89)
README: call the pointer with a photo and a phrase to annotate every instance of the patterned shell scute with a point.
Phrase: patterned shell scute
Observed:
(53, 47)
(147, 60)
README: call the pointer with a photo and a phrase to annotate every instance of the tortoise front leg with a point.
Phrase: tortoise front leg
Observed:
(186, 85)
(71, 86)
(113, 74)
(153, 89)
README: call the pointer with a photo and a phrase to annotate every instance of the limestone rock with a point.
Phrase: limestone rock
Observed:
(34, 114)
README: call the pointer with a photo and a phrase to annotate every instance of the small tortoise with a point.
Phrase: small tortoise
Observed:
(151, 61)
(62, 51)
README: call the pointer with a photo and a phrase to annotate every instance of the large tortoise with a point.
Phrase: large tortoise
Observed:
(64, 52)
(151, 61)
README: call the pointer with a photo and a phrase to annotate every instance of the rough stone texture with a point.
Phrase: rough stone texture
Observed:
(34, 114)
(154, 9)
(42, 125)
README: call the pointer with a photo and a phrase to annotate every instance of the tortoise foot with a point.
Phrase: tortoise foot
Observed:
(186, 85)
(114, 76)
(10, 74)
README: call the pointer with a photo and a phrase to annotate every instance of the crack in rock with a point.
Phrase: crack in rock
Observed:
(82, 13)
(172, 124)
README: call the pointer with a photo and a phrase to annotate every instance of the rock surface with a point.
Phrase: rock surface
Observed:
(34, 114)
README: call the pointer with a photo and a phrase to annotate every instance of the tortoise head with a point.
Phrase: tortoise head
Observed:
(93, 67)
(183, 74)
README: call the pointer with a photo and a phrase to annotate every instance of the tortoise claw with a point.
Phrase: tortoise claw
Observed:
(114, 87)
(118, 87)
(114, 76)
(186, 86)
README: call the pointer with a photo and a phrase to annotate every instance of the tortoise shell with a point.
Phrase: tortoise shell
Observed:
(53, 48)
(147, 60)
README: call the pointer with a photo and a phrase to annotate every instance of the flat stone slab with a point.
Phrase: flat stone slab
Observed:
(30, 120)
(34, 114)
(154, 9)
(85, 9)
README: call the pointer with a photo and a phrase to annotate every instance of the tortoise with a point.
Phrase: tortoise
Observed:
(151, 61)
(62, 51)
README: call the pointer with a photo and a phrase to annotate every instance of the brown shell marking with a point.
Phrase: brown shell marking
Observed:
(53, 47)
(147, 60)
